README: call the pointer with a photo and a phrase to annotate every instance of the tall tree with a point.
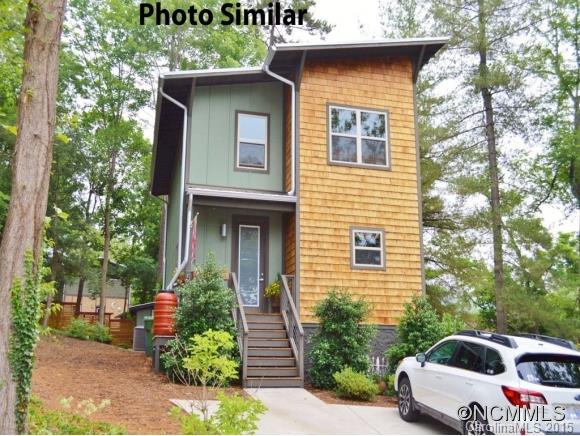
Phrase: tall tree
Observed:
(111, 48)
(30, 175)
(484, 35)
(555, 59)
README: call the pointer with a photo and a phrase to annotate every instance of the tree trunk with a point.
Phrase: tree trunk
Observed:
(107, 238)
(30, 173)
(496, 222)
(80, 291)
(125, 302)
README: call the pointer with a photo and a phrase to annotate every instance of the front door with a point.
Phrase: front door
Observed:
(250, 254)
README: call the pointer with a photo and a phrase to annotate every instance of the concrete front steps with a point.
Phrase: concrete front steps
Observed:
(271, 362)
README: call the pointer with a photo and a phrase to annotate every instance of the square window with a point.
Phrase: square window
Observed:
(358, 137)
(368, 248)
(252, 141)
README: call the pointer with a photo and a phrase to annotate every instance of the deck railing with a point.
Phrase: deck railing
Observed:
(241, 325)
(292, 321)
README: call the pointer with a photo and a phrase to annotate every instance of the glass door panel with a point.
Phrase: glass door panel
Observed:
(249, 265)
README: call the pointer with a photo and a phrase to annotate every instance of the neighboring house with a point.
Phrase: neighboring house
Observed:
(307, 166)
(114, 301)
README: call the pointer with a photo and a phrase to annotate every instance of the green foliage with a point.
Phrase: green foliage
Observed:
(26, 309)
(419, 329)
(354, 385)
(390, 380)
(45, 421)
(235, 415)
(206, 302)
(209, 358)
(81, 329)
(341, 339)
(273, 289)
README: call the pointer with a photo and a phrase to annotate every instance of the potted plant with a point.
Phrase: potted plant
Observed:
(272, 292)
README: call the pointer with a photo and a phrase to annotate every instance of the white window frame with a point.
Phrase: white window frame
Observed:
(265, 143)
(359, 137)
(248, 226)
(353, 248)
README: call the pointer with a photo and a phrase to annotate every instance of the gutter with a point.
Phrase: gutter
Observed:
(292, 85)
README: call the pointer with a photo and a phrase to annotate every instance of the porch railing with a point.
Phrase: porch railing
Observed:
(292, 321)
(241, 325)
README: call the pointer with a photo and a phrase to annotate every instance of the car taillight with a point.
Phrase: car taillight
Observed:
(523, 397)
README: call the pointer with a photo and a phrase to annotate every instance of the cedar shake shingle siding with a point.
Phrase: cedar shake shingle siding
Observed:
(334, 198)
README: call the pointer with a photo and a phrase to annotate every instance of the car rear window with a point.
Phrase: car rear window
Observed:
(550, 370)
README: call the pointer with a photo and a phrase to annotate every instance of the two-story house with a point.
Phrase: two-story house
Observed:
(307, 166)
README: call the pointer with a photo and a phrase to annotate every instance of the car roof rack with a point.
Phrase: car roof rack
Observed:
(550, 339)
(489, 336)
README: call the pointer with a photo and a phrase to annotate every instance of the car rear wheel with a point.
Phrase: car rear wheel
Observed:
(407, 408)
(476, 424)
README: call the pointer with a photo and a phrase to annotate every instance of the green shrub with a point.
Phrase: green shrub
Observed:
(390, 380)
(341, 339)
(206, 302)
(235, 415)
(354, 385)
(81, 329)
(44, 421)
(418, 330)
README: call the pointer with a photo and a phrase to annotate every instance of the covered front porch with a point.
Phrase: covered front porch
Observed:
(249, 242)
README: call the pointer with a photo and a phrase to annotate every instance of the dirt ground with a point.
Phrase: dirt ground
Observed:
(89, 370)
(331, 398)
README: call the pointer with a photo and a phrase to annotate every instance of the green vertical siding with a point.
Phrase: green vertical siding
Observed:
(173, 222)
(209, 239)
(213, 121)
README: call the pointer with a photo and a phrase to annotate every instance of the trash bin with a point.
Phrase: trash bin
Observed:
(148, 324)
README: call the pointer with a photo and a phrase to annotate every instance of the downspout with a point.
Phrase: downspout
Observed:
(183, 264)
(180, 264)
(164, 261)
(266, 69)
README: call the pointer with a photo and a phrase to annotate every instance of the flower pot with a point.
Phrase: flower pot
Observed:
(275, 304)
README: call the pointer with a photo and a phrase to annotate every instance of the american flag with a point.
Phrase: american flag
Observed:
(193, 243)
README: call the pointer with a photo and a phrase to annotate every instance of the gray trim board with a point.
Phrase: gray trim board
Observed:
(233, 193)
(419, 191)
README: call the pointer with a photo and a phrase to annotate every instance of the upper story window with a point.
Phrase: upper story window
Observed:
(368, 248)
(252, 142)
(358, 137)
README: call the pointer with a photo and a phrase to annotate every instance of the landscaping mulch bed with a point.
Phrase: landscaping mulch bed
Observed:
(85, 370)
(331, 398)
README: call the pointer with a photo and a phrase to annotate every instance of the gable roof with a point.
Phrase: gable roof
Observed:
(283, 59)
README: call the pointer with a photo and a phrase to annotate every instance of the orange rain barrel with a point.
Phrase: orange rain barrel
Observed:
(164, 313)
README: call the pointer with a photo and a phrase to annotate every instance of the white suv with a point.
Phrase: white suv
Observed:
(482, 383)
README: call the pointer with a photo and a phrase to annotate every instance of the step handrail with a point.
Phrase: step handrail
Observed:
(292, 321)
(239, 316)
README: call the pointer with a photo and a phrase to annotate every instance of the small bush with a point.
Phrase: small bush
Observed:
(354, 385)
(81, 329)
(206, 302)
(235, 415)
(418, 330)
(341, 339)
(390, 380)
(44, 421)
